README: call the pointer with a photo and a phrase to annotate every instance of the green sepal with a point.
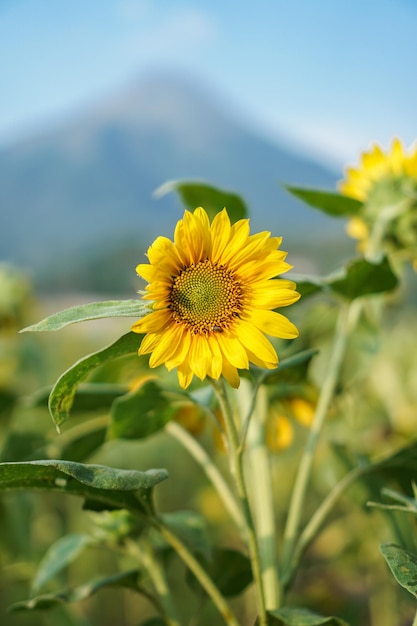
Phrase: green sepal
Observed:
(293, 616)
(126, 580)
(62, 394)
(403, 566)
(330, 202)
(91, 311)
(213, 200)
(103, 487)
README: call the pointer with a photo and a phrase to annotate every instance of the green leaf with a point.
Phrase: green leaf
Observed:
(357, 278)
(91, 311)
(141, 413)
(329, 202)
(191, 528)
(400, 466)
(293, 616)
(212, 199)
(229, 568)
(403, 565)
(58, 556)
(105, 487)
(62, 395)
(291, 369)
(127, 580)
(362, 278)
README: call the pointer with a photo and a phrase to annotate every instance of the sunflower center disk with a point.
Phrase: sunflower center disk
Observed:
(205, 298)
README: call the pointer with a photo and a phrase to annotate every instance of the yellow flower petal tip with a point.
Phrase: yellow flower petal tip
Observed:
(376, 165)
(213, 294)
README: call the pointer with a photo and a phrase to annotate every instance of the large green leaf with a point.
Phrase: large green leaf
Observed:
(62, 395)
(127, 580)
(403, 565)
(329, 202)
(357, 278)
(141, 413)
(362, 278)
(102, 486)
(293, 616)
(91, 311)
(212, 199)
(57, 557)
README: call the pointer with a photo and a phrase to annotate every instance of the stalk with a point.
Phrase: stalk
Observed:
(347, 316)
(236, 467)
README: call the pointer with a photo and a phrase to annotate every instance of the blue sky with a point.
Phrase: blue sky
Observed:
(331, 76)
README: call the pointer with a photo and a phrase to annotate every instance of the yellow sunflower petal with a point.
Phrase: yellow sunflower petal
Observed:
(231, 374)
(272, 323)
(220, 234)
(252, 338)
(152, 323)
(233, 351)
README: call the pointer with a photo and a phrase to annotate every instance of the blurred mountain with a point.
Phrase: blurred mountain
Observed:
(78, 199)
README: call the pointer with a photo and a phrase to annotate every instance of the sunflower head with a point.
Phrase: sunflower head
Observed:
(213, 293)
(386, 183)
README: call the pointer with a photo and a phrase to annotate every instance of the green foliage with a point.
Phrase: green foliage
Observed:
(91, 311)
(125, 580)
(356, 279)
(100, 486)
(229, 568)
(62, 395)
(58, 556)
(403, 565)
(195, 194)
(141, 413)
(292, 616)
(331, 203)
(115, 407)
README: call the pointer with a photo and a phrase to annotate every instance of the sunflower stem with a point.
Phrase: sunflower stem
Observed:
(348, 316)
(199, 572)
(262, 492)
(236, 467)
(209, 468)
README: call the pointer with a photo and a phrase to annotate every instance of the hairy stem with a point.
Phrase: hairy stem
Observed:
(210, 469)
(236, 466)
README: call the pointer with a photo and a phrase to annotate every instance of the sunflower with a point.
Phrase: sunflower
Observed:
(378, 169)
(213, 297)
(386, 183)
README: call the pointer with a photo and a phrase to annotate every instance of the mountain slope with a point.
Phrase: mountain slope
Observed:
(91, 180)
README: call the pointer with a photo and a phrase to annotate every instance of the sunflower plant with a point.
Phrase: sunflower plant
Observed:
(208, 345)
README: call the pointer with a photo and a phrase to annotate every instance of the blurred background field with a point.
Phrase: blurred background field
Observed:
(104, 102)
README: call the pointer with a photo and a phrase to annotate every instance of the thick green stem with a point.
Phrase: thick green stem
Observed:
(210, 469)
(262, 492)
(415, 620)
(236, 466)
(199, 572)
(347, 318)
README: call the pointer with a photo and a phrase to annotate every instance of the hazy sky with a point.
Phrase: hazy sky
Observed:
(332, 75)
